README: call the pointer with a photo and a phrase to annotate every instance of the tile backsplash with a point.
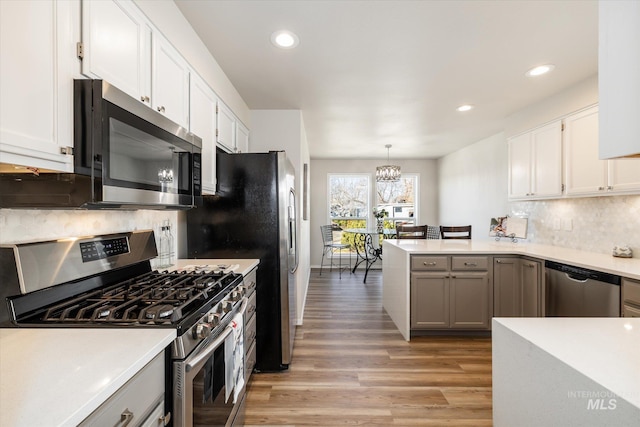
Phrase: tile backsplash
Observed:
(594, 224)
(28, 225)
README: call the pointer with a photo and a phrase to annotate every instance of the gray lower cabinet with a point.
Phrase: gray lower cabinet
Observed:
(507, 287)
(250, 324)
(517, 287)
(630, 298)
(532, 292)
(450, 292)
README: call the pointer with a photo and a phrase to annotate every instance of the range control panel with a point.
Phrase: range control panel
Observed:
(100, 249)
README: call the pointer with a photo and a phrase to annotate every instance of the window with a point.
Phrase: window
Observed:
(349, 200)
(399, 200)
(348, 205)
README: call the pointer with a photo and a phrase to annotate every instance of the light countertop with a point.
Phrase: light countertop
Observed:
(244, 265)
(627, 267)
(606, 350)
(566, 371)
(58, 377)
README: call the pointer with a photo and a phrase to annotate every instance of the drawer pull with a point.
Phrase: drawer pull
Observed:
(432, 263)
(126, 417)
(470, 264)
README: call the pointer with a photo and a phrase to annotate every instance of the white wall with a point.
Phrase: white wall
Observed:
(571, 99)
(275, 130)
(473, 185)
(320, 168)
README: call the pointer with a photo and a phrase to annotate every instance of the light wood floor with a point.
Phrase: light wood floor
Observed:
(352, 367)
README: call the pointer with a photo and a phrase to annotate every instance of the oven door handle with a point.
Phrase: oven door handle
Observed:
(206, 352)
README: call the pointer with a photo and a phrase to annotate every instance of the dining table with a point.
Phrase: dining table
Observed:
(367, 245)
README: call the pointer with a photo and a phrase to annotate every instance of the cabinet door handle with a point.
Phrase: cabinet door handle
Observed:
(470, 264)
(600, 188)
(499, 261)
(126, 417)
(609, 188)
(166, 419)
(429, 263)
(144, 98)
(161, 108)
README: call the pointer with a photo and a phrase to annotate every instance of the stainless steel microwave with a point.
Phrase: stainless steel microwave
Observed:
(126, 155)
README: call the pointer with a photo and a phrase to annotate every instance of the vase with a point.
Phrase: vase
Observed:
(380, 224)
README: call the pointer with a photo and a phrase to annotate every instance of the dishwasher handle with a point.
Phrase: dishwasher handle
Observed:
(576, 277)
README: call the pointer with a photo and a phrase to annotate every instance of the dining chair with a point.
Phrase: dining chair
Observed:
(433, 232)
(329, 247)
(411, 232)
(455, 232)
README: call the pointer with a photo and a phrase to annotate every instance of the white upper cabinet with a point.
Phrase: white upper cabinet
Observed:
(117, 46)
(170, 83)
(242, 138)
(535, 163)
(585, 173)
(226, 128)
(618, 82)
(203, 123)
(122, 47)
(38, 44)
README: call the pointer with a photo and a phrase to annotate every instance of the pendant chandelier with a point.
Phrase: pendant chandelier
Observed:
(388, 173)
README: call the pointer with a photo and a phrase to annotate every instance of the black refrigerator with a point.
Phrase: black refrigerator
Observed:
(253, 215)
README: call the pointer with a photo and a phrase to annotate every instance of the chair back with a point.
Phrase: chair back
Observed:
(455, 232)
(327, 234)
(411, 232)
(433, 232)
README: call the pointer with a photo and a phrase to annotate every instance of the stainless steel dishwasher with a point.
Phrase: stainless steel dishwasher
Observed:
(578, 292)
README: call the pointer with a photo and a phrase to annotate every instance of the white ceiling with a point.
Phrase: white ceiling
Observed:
(370, 73)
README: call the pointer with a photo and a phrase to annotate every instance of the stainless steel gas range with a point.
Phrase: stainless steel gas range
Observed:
(107, 281)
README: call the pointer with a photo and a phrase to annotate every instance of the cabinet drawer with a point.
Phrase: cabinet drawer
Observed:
(629, 311)
(139, 396)
(469, 263)
(250, 331)
(251, 306)
(430, 263)
(249, 361)
(250, 282)
(631, 291)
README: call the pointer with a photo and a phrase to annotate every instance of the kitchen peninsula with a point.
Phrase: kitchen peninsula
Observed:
(440, 254)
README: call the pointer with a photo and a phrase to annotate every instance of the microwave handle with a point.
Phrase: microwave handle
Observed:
(205, 353)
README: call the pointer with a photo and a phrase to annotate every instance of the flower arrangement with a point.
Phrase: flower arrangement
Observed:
(380, 213)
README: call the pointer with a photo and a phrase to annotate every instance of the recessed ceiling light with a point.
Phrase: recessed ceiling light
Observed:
(284, 39)
(540, 70)
(465, 107)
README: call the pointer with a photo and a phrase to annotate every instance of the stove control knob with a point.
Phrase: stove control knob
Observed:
(227, 306)
(202, 331)
(213, 319)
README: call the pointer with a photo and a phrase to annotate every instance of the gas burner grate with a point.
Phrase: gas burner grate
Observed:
(152, 298)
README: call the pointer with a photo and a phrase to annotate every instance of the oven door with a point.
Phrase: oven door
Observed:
(203, 382)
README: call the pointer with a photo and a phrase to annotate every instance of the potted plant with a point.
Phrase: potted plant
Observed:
(380, 216)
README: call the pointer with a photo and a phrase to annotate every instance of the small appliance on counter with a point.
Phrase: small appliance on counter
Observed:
(107, 282)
